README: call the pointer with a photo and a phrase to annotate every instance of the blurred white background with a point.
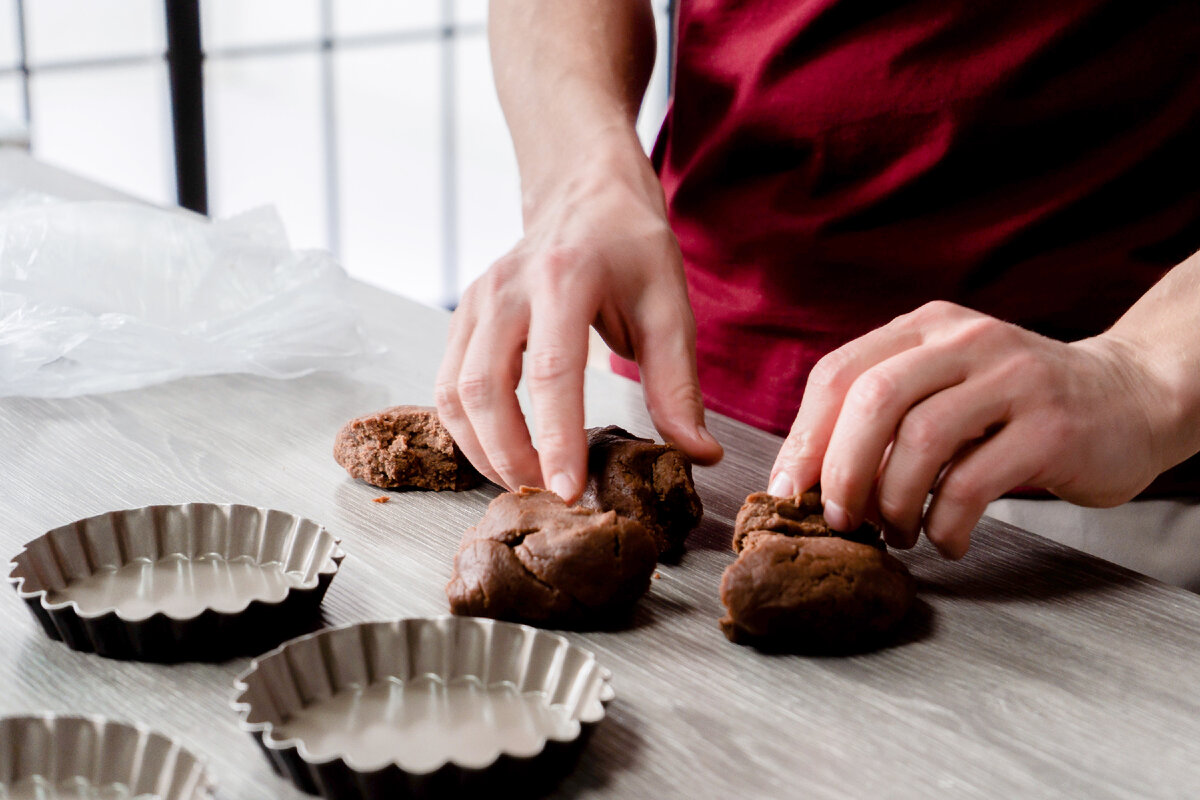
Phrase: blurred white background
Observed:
(387, 146)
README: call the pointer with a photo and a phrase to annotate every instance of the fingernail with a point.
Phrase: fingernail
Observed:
(897, 538)
(782, 485)
(703, 434)
(836, 516)
(563, 486)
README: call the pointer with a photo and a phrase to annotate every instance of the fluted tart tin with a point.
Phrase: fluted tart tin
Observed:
(424, 707)
(191, 582)
(52, 757)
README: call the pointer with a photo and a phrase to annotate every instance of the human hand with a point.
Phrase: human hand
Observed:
(950, 401)
(597, 251)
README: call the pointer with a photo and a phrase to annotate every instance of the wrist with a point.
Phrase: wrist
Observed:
(585, 164)
(1164, 385)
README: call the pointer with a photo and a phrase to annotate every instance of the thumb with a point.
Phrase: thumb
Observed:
(666, 354)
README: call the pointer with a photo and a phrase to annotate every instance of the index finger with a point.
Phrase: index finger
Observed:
(871, 413)
(449, 404)
(556, 357)
(798, 465)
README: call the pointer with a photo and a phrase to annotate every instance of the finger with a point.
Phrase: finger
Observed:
(449, 405)
(982, 474)
(665, 348)
(798, 464)
(872, 513)
(928, 437)
(487, 387)
(871, 413)
(462, 323)
(892, 536)
(555, 361)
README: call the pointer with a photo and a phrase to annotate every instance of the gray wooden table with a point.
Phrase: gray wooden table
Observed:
(1035, 672)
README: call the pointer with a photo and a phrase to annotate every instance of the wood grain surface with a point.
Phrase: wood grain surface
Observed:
(1030, 671)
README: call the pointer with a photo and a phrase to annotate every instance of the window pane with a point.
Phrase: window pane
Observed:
(110, 124)
(359, 17)
(9, 54)
(489, 195)
(389, 147)
(266, 140)
(61, 30)
(237, 23)
(470, 12)
(11, 112)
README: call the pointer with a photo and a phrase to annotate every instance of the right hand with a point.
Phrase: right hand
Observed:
(597, 251)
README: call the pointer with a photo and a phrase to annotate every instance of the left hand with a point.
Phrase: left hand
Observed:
(950, 401)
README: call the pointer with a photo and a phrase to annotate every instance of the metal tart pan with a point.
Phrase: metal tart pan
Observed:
(424, 707)
(50, 756)
(168, 583)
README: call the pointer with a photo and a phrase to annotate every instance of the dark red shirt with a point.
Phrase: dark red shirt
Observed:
(831, 164)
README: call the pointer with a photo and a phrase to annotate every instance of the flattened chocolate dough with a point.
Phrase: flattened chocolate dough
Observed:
(813, 593)
(404, 447)
(534, 559)
(645, 481)
(798, 584)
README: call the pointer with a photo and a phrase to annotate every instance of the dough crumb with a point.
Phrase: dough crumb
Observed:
(404, 447)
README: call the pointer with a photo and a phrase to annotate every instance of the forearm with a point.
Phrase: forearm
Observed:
(570, 75)
(1162, 329)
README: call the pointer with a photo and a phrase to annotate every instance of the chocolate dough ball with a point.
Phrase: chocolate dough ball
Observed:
(813, 593)
(801, 515)
(534, 559)
(648, 482)
(404, 447)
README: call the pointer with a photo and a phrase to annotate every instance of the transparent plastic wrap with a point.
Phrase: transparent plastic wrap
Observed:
(104, 296)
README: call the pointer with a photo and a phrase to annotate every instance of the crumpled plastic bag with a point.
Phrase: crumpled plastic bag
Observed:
(103, 296)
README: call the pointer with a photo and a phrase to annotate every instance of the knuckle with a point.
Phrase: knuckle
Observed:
(933, 311)
(558, 264)
(465, 309)
(499, 278)
(951, 542)
(800, 447)
(963, 489)
(874, 389)
(506, 267)
(549, 365)
(488, 285)
(470, 295)
(460, 321)
(830, 371)
(989, 332)
(554, 440)
(474, 389)
(503, 466)
(445, 397)
(948, 320)
(895, 510)
(947, 308)
(920, 433)
(835, 481)
(685, 394)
